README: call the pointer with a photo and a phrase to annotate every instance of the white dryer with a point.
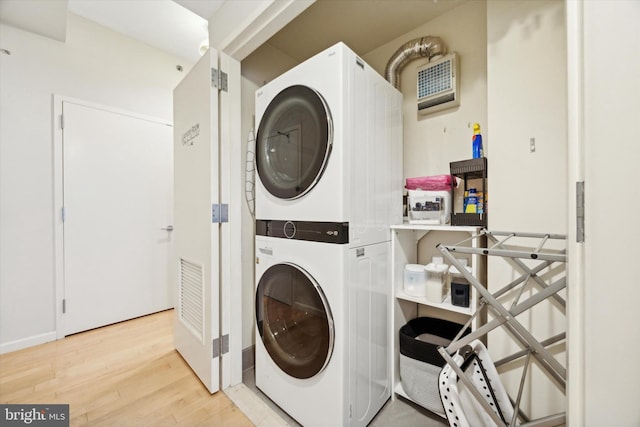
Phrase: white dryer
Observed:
(329, 146)
(323, 330)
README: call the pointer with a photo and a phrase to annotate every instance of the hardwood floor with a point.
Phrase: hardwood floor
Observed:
(127, 374)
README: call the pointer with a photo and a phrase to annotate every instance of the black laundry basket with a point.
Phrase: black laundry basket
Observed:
(420, 362)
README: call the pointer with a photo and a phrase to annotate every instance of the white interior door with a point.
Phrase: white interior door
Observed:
(117, 191)
(197, 239)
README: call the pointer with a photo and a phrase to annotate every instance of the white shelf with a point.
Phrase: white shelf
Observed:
(405, 243)
(429, 227)
(446, 304)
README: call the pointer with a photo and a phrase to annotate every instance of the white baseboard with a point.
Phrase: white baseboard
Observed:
(27, 342)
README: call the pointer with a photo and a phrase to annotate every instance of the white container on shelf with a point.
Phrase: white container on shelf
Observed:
(437, 281)
(429, 207)
(415, 280)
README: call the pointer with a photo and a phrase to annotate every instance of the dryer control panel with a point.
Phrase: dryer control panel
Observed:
(312, 231)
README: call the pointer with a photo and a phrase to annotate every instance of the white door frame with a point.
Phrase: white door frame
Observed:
(239, 28)
(236, 30)
(575, 249)
(231, 233)
(58, 199)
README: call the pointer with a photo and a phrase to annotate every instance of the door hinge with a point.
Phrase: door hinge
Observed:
(64, 306)
(219, 213)
(220, 346)
(61, 121)
(63, 214)
(580, 211)
(219, 79)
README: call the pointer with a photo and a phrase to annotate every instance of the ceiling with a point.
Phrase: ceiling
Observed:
(361, 24)
(180, 26)
(177, 27)
(46, 18)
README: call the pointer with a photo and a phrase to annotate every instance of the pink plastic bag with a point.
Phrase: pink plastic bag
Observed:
(431, 183)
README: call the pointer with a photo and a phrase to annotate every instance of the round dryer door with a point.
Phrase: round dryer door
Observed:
(294, 320)
(293, 142)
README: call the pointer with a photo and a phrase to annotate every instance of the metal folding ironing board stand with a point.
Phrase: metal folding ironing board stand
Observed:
(506, 317)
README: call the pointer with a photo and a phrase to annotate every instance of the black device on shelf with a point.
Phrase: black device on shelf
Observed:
(460, 294)
(470, 169)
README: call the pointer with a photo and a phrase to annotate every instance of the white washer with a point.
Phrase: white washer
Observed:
(329, 146)
(322, 335)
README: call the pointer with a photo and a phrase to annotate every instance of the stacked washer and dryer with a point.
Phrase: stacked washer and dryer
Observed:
(329, 159)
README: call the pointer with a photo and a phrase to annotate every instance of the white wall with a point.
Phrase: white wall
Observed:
(526, 52)
(527, 90)
(431, 142)
(96, 65)
(266, 64)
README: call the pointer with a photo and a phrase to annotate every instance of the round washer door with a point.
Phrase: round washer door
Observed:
(294, 320)
(294, 142)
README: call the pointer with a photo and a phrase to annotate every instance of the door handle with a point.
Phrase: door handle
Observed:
(168, 228)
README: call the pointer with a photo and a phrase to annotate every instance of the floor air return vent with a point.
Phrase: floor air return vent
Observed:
(192, 297)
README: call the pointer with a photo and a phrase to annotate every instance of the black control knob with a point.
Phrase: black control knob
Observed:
(289, 229)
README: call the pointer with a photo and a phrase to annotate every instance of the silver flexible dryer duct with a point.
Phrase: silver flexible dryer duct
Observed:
(428, 46)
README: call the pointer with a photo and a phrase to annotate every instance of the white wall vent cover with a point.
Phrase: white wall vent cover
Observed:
(191, 304)
(437, 89)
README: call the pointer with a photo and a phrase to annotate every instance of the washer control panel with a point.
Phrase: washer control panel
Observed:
(313, 231)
